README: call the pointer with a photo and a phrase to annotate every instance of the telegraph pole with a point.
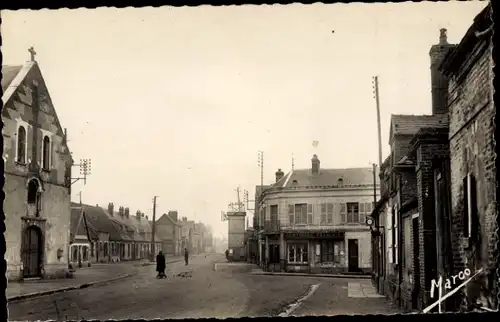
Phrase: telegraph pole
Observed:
(261, 166)
(293, 162)
(153, 230)
(377, 102)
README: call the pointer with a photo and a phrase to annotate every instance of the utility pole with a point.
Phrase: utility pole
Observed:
(293, 162)
(239, 200)
(153, 230)
(377, 102)
(261, 166)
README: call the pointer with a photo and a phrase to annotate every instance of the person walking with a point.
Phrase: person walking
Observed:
(186, 255)
(161, 265)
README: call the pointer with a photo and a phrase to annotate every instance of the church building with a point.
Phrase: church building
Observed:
(37, 177)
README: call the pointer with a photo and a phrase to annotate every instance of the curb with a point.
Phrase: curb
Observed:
(67, 288)
(314, 275)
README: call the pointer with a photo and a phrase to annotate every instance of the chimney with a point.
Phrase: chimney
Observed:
(173, 214)
(138, 214)
(111, 208)
(279, 174)
(127, 212)
(121, 211)
(315, 165)
(184, 219)
(439, 82)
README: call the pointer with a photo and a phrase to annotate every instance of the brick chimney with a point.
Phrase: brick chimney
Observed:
(138, 215)
(173, 214)
(315, 165)
(111, 208)
(121, 211)
(279, 174)
(439, 82)
(127, 212)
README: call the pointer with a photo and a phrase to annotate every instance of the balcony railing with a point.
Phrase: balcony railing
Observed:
(270, 226)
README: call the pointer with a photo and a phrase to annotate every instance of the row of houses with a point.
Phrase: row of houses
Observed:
(45, 231)
(100, 235)
(313, 220)
(436, 219)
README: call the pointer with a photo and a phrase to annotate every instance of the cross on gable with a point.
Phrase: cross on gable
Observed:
(32, 52)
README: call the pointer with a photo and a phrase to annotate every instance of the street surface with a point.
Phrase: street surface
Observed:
(198, 290)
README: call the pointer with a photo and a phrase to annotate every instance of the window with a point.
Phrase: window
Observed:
(323, 213)
(329, 213)
(274, 216)
(353, 212)
(32, 192)
(46, 155)
(310, 213)
(291, 214)
(297, 254)
(21, 145)
(106, 249)
(301, 214)
(470, 206)
(343, 213)
(92, 245)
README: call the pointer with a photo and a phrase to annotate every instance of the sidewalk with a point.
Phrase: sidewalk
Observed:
(85, 276)
(259, 271)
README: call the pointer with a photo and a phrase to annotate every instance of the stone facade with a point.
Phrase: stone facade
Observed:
(331, 236)
(37, 179)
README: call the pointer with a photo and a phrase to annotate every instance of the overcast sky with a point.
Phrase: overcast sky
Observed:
(176, 102)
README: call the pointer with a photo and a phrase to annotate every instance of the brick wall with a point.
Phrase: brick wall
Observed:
(472, 148)
(426, 151)
(408, 186)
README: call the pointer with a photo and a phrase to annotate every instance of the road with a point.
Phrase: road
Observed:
(196, 291)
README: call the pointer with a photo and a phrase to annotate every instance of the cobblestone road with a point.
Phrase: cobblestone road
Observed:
(196, 290)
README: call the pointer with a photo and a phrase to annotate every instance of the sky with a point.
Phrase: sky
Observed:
(177, 102)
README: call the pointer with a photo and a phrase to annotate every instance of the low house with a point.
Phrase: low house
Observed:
(82, 236)
(187, 234)
(170, 231)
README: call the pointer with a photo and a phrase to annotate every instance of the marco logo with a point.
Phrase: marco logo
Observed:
(449, 283)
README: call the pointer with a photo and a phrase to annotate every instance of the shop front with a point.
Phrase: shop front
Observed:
(313, 252)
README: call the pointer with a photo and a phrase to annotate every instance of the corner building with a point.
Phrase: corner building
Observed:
(314, 220)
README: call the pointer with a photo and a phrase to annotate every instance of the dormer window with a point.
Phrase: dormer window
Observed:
(21, 145)
(46, 155)
(295, 182)
(340, 182)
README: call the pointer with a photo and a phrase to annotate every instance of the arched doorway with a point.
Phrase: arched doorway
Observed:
(32, 252)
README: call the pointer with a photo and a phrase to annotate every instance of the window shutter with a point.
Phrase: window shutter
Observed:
(291, 217)
(343, 213)
(466, 217)
(310, 212)
(329, 214)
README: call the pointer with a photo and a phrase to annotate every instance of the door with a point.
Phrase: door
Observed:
(416, 264)
(32, 252)
(353, 250)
